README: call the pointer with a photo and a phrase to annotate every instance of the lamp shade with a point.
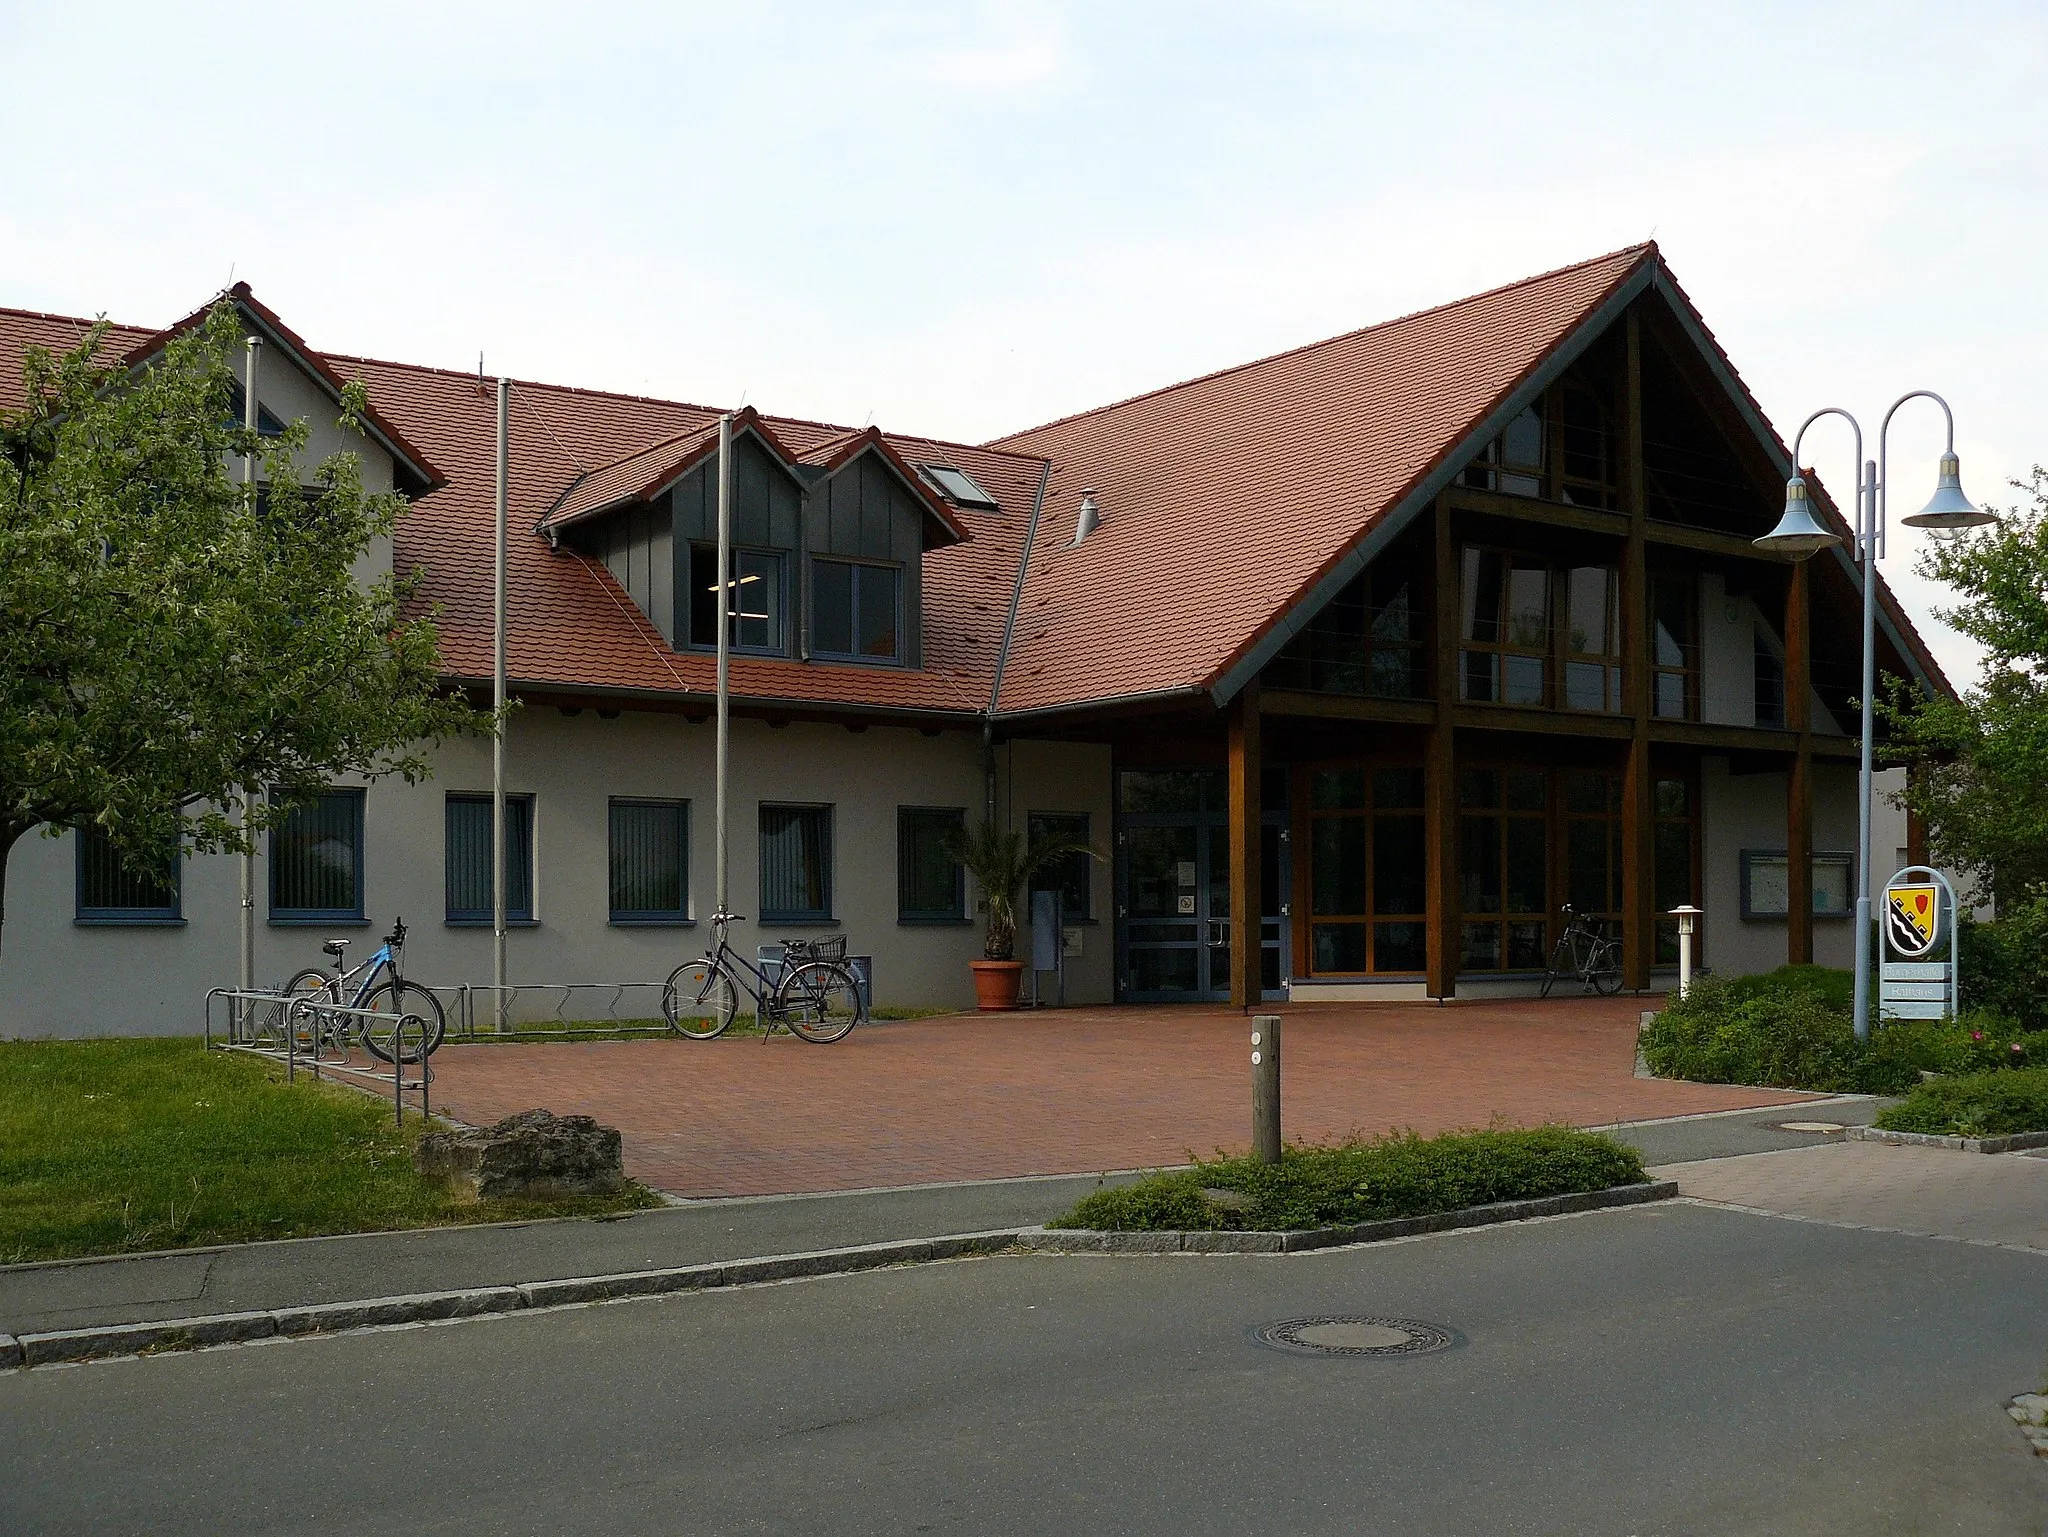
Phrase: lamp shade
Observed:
(1948, 507)
(1799, 533)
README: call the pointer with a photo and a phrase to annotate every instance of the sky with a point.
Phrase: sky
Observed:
(963, 219)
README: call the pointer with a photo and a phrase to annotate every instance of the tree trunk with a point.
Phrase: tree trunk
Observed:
(10, 834)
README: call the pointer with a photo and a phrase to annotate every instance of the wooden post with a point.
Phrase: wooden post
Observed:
(1638, 823)
(1440, 797)
(1247, 924)
(1799, 782)
(1266, 1087)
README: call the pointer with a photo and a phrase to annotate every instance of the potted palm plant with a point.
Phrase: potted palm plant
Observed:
(1002, 865)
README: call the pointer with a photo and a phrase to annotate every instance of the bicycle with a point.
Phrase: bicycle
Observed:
(390, 995)
(1582, 951)
(817, 996)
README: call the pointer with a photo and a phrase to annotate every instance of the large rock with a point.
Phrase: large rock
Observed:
(534, 1155)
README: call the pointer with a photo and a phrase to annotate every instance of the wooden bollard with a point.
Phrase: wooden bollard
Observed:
(1266, 1087)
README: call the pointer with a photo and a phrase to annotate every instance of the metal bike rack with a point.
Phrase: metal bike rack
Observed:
(467, 1008)
(305, 1022)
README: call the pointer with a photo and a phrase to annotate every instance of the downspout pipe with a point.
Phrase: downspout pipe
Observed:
(995, 696)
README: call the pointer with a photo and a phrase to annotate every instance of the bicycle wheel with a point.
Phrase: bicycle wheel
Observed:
(700, 1000)
(281, 1018)
(1603, 968)
(821, 1001)
(392, 997)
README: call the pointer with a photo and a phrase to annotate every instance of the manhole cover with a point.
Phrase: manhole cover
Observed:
(1811, 1126)
(1342, 1335)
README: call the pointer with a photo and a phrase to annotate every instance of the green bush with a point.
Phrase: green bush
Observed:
(1365, 1180)
(1780, 1032)
(2005, 964)
(1991, 1104)
(1793, 1029)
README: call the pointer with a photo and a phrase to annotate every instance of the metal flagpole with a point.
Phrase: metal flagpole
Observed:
(498, 705)
(247, 973)
(724, 638)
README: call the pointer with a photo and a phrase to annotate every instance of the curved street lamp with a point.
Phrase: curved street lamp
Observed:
(1800, 535)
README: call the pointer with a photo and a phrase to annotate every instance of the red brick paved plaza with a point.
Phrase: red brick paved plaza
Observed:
(1066, 1091)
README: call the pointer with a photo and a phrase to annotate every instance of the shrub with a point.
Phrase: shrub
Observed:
(1793, 1029)
(1365, 1180)
(1778, 1032)
(2005, 964)
(1991, 1104)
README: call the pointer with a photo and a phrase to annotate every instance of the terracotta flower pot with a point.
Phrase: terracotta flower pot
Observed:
(996, 983)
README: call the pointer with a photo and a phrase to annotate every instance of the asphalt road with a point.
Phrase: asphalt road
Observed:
(1653, 1370)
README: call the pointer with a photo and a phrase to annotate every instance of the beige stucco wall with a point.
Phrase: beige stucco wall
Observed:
(61, 978)
(1747, 811)
(291, 396)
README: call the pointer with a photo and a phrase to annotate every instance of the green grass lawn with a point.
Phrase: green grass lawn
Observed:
(119, 1145)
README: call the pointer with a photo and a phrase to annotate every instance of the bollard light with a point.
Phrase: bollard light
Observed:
(1686, 917)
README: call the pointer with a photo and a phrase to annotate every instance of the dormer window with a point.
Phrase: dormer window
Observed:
(957, 486)
(757, 599)
(856, 611)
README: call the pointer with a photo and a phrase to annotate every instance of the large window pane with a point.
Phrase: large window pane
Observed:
(1071, 875)
(1338, 885)
(467, 877)
(855, 610)
(1526, 865)
(1590, 621)
(1397, 789)
(1479, 864)
(650, 861)
(1528, 616)
(1674, 865)
(1587, 845)
(316, 859)
(1484, 576)
(1400, 855)
(931, 886)
(1337, 790)
(113, 887)
(796, 863)
(1400, 946)
(831, 608)
(879, 587)
(1338, 947)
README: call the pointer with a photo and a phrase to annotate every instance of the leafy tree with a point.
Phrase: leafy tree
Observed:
(1980, 763)
(168, 634)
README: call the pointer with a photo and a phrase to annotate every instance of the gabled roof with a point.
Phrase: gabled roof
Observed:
(1234, 505)
(646, 473)
(415, 473)
(835, 453)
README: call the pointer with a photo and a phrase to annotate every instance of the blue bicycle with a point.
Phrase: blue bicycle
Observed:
(376, 985)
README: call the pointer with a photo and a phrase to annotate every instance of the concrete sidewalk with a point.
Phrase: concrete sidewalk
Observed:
(77, 1294)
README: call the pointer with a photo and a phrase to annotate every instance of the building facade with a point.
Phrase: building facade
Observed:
(1385, 649)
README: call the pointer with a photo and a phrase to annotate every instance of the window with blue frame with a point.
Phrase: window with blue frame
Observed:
(796, 864)
(469, 867)
(316, 860)
(931, 883)
(117, 888)
(856, 611)
(650, 861)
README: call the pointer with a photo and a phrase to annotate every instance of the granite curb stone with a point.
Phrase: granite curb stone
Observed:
(66, 1345)
(1103, 1241)
(2012, 1142)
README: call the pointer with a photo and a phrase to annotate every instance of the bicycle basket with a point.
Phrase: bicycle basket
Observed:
(800, 950)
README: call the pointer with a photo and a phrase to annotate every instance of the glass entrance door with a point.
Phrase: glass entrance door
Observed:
(1173, 890)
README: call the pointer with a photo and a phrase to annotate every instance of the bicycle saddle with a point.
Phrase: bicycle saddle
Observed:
(334, 947)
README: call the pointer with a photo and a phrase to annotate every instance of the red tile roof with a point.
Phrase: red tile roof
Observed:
(1224, 500)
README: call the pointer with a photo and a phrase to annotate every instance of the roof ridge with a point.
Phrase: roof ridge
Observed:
(80, 320)
(1639, 249)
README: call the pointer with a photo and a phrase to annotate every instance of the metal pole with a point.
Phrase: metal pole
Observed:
(498, 705)
(725, 608)
(1266, 1087)
(1867, 526)
(247, 971)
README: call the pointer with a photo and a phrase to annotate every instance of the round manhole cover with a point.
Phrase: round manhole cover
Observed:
(1347, 1335)
(1813, 1126)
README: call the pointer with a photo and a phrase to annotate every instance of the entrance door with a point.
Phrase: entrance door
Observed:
(1173, 891)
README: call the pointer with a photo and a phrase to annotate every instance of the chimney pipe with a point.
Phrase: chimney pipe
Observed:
(1089, 519)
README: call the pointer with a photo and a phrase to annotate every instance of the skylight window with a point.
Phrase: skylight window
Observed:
(958, 486)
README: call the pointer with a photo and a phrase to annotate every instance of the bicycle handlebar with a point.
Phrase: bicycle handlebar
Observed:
(396, 938)
(722, 918)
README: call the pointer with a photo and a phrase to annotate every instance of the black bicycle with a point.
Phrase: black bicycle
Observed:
(817, 996)
(1584, 952)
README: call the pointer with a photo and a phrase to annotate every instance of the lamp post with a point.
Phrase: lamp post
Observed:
(1800, 535)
